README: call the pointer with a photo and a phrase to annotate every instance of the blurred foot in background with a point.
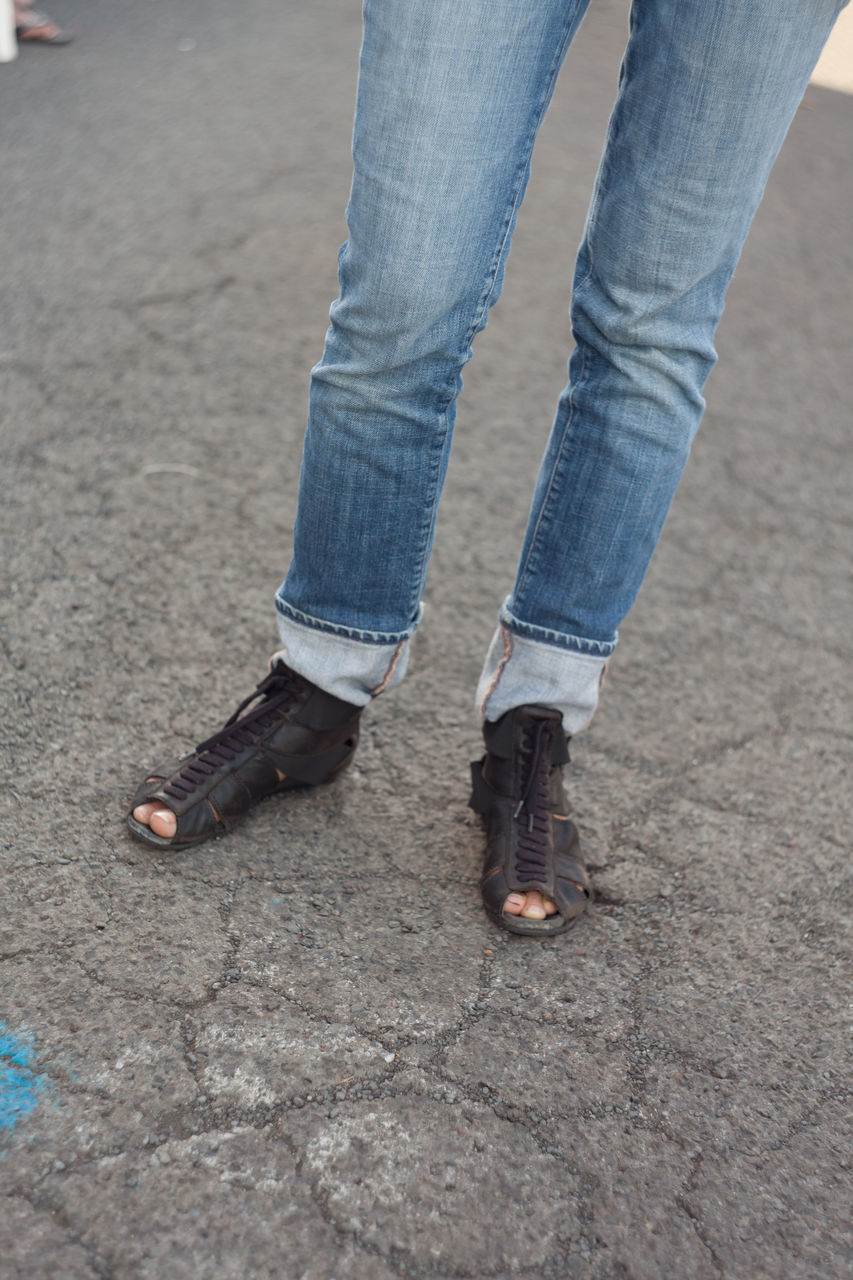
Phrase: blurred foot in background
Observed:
(36, 27)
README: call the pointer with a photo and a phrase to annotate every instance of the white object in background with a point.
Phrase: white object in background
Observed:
(835, 69)
(8, 43)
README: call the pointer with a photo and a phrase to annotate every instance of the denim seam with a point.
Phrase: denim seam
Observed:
(506, 636)
(529, 567)
(348, 633)
(430, 517)
(386, 679)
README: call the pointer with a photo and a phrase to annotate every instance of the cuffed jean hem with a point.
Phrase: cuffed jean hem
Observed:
(352, 665)
(288, 611)
(520, 671)
(559, 639)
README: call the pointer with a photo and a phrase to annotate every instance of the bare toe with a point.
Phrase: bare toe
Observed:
(532, 905)
(160, 819)
(537, 907)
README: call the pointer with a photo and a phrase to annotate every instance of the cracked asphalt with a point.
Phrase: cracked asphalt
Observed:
(302, 1052)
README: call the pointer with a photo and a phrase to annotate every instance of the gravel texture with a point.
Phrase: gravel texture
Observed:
(302, 1052)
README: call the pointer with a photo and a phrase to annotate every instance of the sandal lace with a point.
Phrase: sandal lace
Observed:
(281, 688)
(531, 856)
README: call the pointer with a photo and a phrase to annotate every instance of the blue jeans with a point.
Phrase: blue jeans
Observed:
(451, 94)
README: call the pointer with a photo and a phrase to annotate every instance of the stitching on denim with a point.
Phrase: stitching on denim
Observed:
(528, 568)
(346, 633)
(386, 680)
(530, 565)
(506, 636)
(580, 645)
(430, 517)
(569, 643)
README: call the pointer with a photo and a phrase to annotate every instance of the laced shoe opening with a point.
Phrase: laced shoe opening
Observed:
(280, 691)
(531, 812)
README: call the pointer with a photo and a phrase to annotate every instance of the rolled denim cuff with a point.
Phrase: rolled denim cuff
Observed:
(522, 672)
(558, 639)
(355, 670)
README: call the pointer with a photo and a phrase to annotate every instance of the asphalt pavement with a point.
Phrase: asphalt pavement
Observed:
(302, 1052)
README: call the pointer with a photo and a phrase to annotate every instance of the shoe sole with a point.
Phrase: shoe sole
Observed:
(526, 928)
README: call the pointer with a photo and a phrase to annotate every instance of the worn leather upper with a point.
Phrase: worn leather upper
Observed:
(296, 735)
(531, 842)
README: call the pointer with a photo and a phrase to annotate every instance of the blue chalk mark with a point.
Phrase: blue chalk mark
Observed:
(20, 1084)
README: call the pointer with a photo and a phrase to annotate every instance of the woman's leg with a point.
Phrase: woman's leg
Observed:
(707, 92)
(450, 96)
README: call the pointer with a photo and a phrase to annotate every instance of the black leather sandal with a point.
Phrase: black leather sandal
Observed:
(296, 736)
(531, 842)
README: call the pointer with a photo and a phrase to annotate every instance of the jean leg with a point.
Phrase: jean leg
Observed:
(450, 96)
(707, 91)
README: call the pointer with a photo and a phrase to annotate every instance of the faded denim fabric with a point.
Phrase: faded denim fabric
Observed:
(451, 94)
